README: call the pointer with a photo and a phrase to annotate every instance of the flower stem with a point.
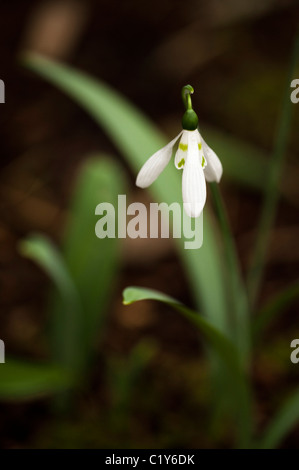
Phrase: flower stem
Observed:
(238, 301)
(240, 328)
(187, 91)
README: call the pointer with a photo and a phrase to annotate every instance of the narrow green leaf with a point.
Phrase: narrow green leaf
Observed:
(24, 380)
(40, 249)
(218, 340)
(282, 424)
(227, 354)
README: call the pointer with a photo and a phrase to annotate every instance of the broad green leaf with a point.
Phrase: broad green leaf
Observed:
(91, 262)
(41, 250)
(24, 380)
(84, 271)
(227, 354)
(136, 138)
(282, 424)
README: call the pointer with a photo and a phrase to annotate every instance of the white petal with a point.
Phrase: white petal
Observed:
(194, 184)
(181, 153)
(213, 170)
(155, 165)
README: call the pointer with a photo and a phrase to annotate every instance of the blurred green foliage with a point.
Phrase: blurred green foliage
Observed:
(84, 270)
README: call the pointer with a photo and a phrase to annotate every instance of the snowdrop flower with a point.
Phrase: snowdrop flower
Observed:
(197, 160)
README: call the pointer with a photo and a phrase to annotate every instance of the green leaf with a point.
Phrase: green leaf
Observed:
(226, 351)
(220, 342)
(136, 138)
(24, 380)
(284, 421)
(91, 262)
(40, 249)
(84, 271)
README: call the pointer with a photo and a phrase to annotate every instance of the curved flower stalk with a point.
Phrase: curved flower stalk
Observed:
(197, 160)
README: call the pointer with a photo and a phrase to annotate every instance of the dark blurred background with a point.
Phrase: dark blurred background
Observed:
(235, 54)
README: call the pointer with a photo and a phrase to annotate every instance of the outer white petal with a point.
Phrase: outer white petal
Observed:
(213, 170)
(194, 184)
(155, 165)
(181, 153)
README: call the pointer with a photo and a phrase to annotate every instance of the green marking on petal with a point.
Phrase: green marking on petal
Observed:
(199, 145)
(203, 161)
(183, 147)
(182, 162)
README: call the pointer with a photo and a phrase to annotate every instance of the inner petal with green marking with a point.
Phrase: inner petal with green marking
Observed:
(183, 147)
(182, 151)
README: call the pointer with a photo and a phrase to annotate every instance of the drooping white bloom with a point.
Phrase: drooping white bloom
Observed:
(198, 162)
